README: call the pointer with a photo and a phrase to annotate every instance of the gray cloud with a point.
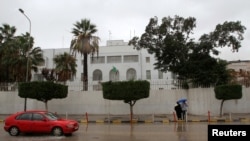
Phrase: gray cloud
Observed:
(52, 20)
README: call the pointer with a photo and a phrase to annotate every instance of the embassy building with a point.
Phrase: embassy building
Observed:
(117, 61)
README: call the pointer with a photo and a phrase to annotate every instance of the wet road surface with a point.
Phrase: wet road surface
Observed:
(176, 131)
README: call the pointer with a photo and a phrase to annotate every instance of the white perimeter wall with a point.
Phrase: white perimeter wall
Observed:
(200, 101)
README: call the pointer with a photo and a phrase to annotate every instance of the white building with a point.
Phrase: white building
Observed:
(116, 62)
(240, 65)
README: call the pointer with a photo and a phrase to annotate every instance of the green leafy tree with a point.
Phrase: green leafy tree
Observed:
(227, 92)
(18, 64)
(65, 67)
(128, 91)
(85, 43)
(175, 50)
(42, 91)
(15, 52)
(7, 35)
(28, 57)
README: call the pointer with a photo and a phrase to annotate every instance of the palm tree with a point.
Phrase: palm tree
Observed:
(25, 52)
(7, 33)
(84, 42)
(19, 64)
(65, 67)
(35, 59)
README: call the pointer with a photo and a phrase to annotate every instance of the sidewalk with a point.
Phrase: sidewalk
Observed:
(160, 118)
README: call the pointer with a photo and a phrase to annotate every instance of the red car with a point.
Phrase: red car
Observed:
(39, 122)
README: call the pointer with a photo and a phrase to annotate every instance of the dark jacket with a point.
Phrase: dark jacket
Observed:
(178, 110)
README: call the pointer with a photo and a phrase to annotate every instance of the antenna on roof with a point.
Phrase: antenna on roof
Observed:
(62, 41)
(109, 35)
(130, 35)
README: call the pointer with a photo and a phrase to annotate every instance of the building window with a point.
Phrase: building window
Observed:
(38, 77)
(147, 59)
(114, 75)
(148, 74)
(131, 74)
(130, 58)
(160, 74)
(97, 60)
(97, 75)
(72, 77)
(114, 59)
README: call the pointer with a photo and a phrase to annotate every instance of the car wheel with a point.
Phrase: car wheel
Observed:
(14, 131)
(57, 131)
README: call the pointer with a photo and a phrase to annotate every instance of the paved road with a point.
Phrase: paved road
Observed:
(176, 131)
(94, 118)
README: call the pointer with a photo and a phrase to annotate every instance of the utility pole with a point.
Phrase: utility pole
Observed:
(27, 55)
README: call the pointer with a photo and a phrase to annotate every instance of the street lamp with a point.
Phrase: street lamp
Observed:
(27, 67)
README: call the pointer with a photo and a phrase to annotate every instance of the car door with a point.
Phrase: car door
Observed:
(24, 122)
(40, 123)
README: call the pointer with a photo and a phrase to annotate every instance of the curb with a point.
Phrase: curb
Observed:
(118, 121)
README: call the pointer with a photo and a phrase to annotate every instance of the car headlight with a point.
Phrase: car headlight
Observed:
(70, 125)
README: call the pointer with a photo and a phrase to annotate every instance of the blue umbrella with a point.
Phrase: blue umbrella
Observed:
(182, 100)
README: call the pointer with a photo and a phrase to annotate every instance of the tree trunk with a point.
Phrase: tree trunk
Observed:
(131, 113)
(131, 104)
(221, 105)
(85, 72)
(46, 105)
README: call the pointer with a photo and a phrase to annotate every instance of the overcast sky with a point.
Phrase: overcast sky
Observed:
(52, 20)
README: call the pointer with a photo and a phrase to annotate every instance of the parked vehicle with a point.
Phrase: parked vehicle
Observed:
(38, 121)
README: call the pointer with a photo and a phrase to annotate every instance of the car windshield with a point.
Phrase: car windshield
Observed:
(51, 116)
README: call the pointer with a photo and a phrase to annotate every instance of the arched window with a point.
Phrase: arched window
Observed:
(131, 74)
(114, 74)
(97, 75)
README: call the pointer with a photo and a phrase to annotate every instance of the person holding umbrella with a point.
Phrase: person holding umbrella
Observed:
(183, 103)
(178, 110)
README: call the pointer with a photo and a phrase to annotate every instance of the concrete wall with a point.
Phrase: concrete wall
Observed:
(200, 101)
